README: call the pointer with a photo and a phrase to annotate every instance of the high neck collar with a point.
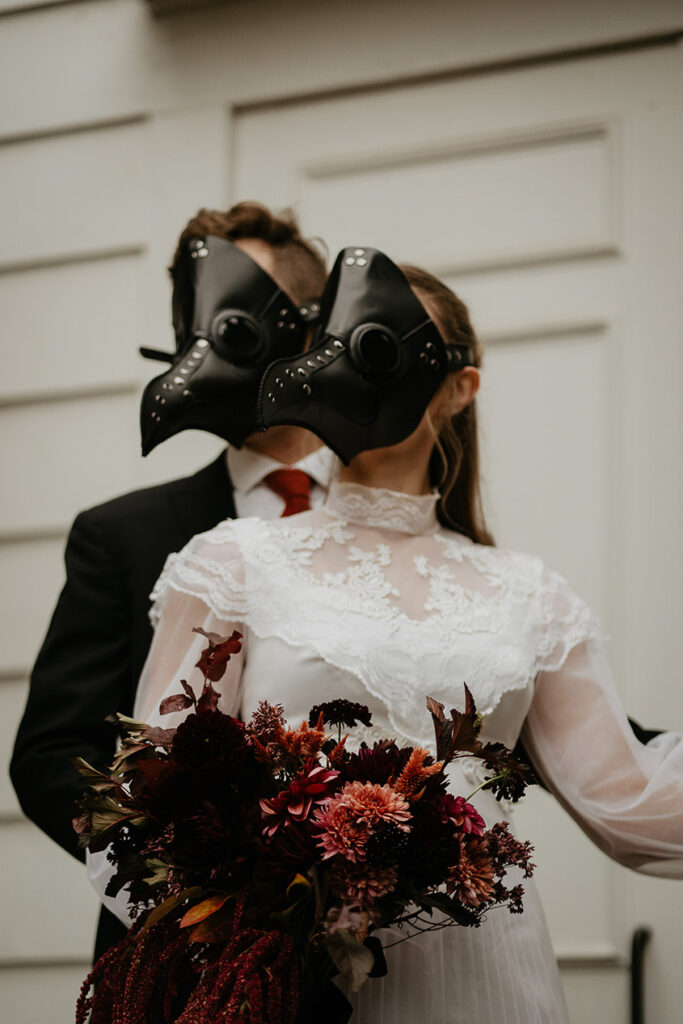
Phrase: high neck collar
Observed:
(376, 506)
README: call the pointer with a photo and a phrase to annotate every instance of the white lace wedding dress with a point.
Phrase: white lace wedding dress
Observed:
(368, 598)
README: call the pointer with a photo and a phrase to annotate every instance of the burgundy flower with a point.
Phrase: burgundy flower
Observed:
(341, 712)
(507, 850)
(463, 815)
(210, 741)
(379, 763)
(311, 786)
(214, 658)
(293, 848)
(267, 722)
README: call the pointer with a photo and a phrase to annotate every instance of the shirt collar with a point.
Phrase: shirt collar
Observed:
(248, 468)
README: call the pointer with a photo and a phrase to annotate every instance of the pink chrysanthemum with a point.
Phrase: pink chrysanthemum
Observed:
(351, 816)
(361, 882)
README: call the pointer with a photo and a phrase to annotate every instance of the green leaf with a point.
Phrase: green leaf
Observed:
(159, 871)
(130, 724)
(96, 780)
(353, 960)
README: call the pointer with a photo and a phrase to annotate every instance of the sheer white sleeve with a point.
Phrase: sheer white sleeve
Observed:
(202, 586)
(627, 796)
(185, 597)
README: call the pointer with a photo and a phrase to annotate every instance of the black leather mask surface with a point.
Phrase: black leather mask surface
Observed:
(230, 320)
(376, 361)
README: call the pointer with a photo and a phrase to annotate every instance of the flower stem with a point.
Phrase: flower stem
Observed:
(486, 782)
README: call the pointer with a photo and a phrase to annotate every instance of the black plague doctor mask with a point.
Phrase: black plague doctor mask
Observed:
(375, 363)
(231, 320)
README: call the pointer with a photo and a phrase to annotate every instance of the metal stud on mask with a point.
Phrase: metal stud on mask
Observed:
(376, 361)
(231, 319)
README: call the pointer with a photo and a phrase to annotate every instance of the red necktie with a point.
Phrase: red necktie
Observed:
(293, 486)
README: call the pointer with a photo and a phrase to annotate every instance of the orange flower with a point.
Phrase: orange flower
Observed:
(472, 878)
(416, 772)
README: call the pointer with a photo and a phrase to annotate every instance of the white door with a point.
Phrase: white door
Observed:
(549, 197)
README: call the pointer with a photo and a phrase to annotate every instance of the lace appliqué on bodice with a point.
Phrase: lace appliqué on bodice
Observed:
(377, 588)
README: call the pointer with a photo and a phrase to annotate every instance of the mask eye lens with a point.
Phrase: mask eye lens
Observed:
(237, 338)
(375, 350)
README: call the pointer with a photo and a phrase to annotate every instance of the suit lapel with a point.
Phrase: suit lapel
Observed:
(205, 499)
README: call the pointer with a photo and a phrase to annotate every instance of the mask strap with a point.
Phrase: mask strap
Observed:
(156, 353)
(458, 356)
(310, 313)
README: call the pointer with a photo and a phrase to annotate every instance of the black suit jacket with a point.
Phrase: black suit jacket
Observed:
(97, 641)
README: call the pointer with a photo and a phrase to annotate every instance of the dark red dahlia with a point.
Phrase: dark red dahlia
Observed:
(210, 741)
(463, 815)
(209, 844)
(294, 847)
(379, 763)
(427, 862)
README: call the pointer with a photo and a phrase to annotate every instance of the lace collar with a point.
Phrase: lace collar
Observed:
(375, 506)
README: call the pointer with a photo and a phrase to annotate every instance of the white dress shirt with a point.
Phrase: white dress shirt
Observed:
(253, 497)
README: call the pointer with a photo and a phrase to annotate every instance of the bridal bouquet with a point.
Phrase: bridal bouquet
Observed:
(261, 860)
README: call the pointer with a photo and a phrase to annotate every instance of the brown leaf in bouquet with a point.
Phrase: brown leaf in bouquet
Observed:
(459, 737)
(176, 702)
(214, 658)
(200, 911)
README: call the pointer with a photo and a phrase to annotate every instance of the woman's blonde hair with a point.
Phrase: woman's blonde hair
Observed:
(454, 466)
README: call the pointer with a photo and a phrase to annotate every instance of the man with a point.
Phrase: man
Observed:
(97, 641)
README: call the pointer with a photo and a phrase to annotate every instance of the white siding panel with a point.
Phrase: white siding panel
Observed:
(510, 199)
(181, 455)
(33, 573)
(72, 327)
(64, 907)
(12, 699)
(111, 58)
(531, 300)
(41, 995)
(74, 193)
(93, 443)
(597, 994)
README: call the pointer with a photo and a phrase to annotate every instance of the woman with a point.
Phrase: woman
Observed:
(393, 591)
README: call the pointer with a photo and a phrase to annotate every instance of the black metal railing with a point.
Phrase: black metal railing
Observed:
(639, 941)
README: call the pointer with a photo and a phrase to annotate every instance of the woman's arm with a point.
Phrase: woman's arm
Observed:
(627, 796)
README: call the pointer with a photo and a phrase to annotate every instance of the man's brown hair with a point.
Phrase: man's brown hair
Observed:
(300, 267)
